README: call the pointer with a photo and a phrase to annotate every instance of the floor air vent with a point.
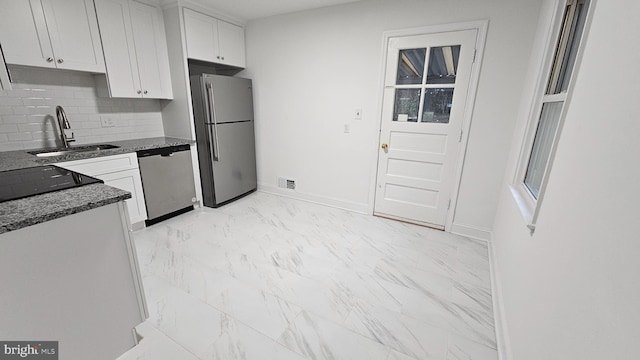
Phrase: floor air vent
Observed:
(286, 183)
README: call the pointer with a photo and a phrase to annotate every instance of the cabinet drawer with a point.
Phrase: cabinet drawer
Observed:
(102, 165)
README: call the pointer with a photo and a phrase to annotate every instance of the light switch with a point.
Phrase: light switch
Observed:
(347, 128)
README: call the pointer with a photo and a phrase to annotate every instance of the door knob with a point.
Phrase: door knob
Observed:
(385, 147)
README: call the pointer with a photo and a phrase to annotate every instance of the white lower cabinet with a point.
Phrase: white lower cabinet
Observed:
(119, 171)
(129, 180)
(75, 280)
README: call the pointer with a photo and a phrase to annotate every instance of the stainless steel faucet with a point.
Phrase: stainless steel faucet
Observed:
(63, 123)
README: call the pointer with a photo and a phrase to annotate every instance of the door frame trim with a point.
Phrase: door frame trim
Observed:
(481, 26)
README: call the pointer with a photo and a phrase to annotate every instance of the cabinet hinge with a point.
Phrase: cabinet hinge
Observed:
(460, 138)
(449, 205)
(475, 52)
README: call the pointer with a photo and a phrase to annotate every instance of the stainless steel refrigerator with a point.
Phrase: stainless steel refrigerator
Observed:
(223, 114)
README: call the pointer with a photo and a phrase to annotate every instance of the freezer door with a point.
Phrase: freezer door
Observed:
(232, 98)
(234, 173)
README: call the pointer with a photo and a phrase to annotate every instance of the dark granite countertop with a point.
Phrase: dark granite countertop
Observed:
(17, 214)
(19, 159)
(20, 213)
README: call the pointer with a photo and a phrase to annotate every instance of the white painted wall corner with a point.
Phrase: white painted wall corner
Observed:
(499, 314)
(471, 231)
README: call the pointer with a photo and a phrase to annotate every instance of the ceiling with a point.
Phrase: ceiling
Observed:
(254, 9)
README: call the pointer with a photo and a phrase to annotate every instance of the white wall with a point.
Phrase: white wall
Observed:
(312, 69)
(27, 112)
(572, 290)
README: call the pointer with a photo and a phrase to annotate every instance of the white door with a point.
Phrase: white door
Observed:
(426, 84)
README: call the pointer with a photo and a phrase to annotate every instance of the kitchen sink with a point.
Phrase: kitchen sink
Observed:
(73, 149)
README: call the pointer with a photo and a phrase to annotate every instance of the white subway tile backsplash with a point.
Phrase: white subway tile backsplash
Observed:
(27, 112)
(18, 136)
(8, 128)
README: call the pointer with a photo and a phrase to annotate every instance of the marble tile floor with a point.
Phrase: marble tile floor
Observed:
(268, 277)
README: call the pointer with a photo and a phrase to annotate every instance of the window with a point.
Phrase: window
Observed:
(535, 161)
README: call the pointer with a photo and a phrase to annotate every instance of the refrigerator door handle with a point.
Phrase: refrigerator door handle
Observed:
(212, 141)
(213, 135)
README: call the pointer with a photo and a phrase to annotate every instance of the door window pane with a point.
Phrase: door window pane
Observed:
(542, 143)
(443, 64)
(437, 105)
(411, 66)
(406, 105)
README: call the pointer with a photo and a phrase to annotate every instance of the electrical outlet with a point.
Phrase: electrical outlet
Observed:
(106, 121)
(358, 114)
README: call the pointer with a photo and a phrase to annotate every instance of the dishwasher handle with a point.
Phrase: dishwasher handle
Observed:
(163, 151)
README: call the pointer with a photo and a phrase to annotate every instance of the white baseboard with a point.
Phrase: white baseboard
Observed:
(471, 231)
(499, 317)
(316, 199)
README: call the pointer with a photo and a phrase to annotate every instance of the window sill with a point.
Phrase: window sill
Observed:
(526, 205)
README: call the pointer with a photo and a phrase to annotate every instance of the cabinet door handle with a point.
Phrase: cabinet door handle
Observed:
(223, 58)
(139, 91)
(49, 59)
(218, 57)
(145, 92)
(60, 61)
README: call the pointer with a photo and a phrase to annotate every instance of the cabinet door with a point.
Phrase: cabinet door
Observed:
(119, 171)
(129, 180)
(119, 48)
(201, 32)
(73, 30)
(151, 51)
(23, 34)
(231, 44)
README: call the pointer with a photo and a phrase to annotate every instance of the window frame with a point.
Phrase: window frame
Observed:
(528, 204)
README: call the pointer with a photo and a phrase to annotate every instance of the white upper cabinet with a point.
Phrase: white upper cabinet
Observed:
(231, 44)
(59, 34)
(151, 49)
(213, 40)
(135, 49)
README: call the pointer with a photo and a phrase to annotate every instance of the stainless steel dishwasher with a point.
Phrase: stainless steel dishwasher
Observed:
(167, 181)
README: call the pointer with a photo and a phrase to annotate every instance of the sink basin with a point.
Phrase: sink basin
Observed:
(73, 149)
